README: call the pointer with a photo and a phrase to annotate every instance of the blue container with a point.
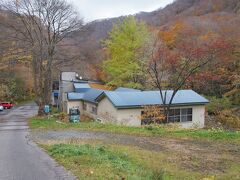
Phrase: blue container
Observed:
(46, 109)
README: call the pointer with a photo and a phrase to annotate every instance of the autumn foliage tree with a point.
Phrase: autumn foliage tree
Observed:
(170, 69)
(152, 115)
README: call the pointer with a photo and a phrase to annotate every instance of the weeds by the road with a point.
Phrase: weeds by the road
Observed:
(106, 162)
(165, 131)
(91, 162)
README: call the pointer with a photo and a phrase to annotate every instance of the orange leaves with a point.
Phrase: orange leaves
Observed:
(208, 36)
(96, 72)
(170, 36)
(153, 114)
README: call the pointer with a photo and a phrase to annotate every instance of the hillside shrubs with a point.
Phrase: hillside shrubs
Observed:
(229, 119)
(218, 104)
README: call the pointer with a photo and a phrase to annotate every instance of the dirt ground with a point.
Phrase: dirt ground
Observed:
(196, 155)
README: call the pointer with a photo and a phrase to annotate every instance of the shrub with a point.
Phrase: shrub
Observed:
(63, 117)
(229, 119)
(218, 104)
(54, 110)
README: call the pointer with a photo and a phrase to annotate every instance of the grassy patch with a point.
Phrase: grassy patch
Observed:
(101, 162)
(97, 161)
(212, 134)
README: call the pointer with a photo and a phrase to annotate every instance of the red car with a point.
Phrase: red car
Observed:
(6, 105)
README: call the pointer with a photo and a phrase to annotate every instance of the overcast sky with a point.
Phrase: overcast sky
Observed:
(98, 9)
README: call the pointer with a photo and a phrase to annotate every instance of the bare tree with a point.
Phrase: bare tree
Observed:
(170, 69)
(43, 25)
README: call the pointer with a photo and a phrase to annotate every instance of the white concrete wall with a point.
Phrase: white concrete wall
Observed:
(132, 117)
(107, 113)
(65, 85)
(88, 112)
(74, 104)
(129, 117)
(198, 117)
(68, 76)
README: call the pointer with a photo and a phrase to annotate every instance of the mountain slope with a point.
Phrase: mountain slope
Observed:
(87, 42)
(84, 48)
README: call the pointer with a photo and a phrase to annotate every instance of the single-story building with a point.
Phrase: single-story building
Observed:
(125, 106)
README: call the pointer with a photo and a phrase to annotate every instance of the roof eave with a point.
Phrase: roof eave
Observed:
(172, 105)
(74, 99)
(89, 101)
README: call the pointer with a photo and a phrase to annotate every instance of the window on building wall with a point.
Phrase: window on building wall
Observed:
(94, 110)
(186, 114)
(180, 115)
(84, 106)
(174, 115)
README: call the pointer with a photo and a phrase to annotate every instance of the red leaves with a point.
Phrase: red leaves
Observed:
(190, 56)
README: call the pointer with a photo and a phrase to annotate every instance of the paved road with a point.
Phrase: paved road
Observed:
(4, 112)
(20, 158)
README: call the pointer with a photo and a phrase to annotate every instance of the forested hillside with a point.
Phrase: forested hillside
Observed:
(16, 82)
(206, 15)
(83, 50)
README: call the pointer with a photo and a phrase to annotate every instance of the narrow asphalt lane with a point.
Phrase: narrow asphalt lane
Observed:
(20, 158)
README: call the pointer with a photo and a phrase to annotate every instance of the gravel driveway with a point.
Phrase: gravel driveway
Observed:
(211, 155)
(154, 144)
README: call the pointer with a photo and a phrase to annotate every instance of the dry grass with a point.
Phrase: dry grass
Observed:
(177, 159)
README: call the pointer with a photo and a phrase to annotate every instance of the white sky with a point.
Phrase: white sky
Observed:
(98, 9)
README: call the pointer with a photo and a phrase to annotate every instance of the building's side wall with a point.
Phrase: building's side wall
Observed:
(107, 113)
(129, 117)
(74, 104)
(68, 76)
(65, 85)
(198, 118)
(132, 117)
(89, 111)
